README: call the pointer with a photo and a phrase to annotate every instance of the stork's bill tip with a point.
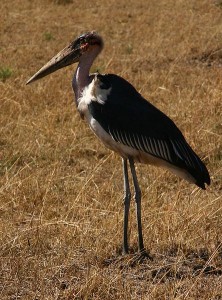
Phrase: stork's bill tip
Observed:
(28, 81)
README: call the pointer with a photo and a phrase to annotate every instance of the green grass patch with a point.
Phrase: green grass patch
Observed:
(5, 73)
(48, 36)
(129, 49)
(63, 2)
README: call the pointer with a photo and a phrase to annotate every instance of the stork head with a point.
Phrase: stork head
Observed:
(70, 54)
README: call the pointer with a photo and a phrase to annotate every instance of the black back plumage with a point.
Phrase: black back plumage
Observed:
(131, 120)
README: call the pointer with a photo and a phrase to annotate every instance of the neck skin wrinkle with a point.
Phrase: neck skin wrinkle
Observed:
(81, 77)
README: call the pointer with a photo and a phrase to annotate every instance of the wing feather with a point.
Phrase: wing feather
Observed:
(133, 121)
(146, 147)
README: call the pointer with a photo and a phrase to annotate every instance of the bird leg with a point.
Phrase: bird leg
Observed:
(127, 197)
(138, 206)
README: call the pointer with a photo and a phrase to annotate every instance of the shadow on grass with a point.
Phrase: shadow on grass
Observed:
(172, 265)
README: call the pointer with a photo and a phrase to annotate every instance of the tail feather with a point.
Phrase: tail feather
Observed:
(191, 162)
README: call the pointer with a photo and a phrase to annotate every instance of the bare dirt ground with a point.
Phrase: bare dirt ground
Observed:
(61, 204)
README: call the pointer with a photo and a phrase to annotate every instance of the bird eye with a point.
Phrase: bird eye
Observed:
(84, 46)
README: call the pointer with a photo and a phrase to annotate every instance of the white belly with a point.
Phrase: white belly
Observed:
(93, 92)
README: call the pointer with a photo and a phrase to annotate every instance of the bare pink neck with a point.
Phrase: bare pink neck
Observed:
(81, 77)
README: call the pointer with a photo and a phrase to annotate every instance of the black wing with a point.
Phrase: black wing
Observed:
(133, 121)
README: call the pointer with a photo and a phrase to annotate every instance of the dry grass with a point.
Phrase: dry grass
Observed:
(61, 191)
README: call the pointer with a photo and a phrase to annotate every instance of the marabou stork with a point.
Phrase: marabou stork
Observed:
(126, 123)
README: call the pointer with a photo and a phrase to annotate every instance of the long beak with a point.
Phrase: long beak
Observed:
(67, 56)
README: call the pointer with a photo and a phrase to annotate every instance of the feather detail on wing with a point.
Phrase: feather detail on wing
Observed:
(131, 120)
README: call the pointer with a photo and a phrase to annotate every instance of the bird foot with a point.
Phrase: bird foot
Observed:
(142, 255)
(139, 258)
(134, 258)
